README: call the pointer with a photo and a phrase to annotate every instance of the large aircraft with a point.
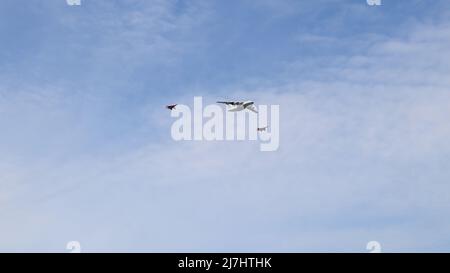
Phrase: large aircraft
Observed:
(235, 106)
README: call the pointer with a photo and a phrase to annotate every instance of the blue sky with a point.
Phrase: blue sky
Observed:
(86, 152)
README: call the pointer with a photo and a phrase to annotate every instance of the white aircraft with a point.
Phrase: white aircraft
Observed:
(239, 105)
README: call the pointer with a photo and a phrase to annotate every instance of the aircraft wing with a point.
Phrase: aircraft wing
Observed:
(230, 102)
(252, 108)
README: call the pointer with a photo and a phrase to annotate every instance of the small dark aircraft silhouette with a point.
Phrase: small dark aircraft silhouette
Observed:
(260, 129)
(171, 106)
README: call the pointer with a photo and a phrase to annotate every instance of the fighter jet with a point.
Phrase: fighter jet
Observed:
(235, 106)
(171, 106)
